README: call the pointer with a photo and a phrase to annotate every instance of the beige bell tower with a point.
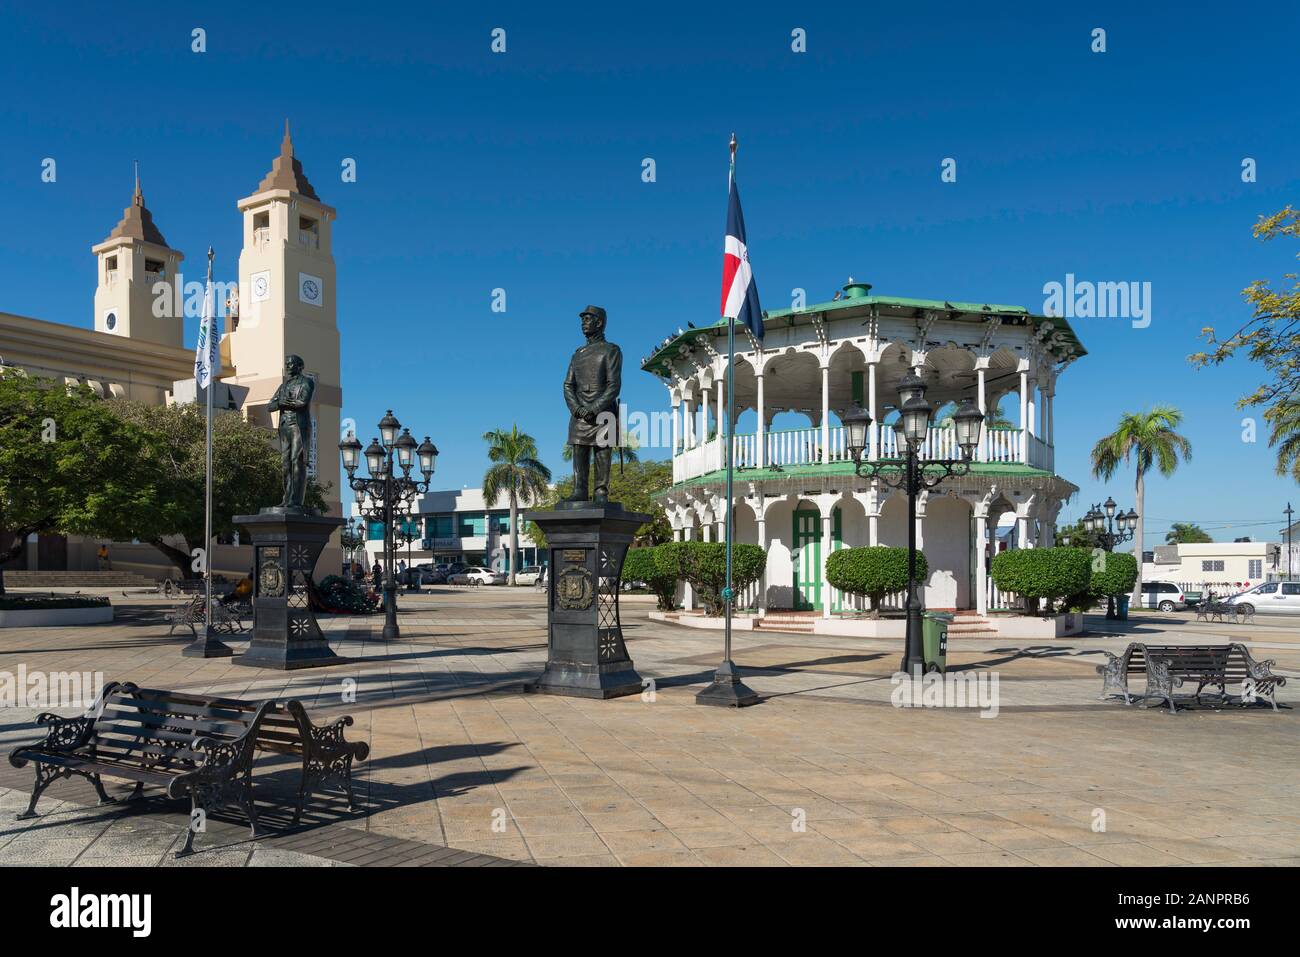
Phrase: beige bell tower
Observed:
(287, 307)
(137, 294)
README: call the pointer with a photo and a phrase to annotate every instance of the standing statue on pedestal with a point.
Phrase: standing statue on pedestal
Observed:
(293, 400)
(591, 389)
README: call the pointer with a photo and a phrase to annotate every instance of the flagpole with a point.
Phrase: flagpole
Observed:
(727, 689)
(209, 646)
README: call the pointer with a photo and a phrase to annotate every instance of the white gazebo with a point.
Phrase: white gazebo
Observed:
(796, 491)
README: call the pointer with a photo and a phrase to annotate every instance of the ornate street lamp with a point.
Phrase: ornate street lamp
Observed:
(386, 493)
(351, 537)
(913, 474)
(1109, 527)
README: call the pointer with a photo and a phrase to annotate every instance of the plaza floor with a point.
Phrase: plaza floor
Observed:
(465, 769)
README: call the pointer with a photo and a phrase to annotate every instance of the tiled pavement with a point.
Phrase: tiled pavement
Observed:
(824, 771)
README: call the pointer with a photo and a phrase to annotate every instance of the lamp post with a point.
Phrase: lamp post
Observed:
(1110, 527)
(380, 496)
(1288, 513)
(912, 474)
(404, 533)
(351, 537)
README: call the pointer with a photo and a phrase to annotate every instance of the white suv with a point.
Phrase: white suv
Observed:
(1270, 598)
(1164, 596)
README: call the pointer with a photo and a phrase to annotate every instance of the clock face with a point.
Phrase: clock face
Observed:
(261, 286)
(310, 289)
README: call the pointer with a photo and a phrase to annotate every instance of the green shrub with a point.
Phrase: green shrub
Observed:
(42, 602)
(1038, 573)
(641, 566)
(876, 572)
(1113, 573)
(704, 565)
(338, 594)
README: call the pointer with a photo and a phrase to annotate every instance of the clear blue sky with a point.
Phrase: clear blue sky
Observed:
(522, 171)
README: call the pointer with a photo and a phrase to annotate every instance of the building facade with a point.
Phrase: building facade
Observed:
(1224, 568)
(456, 525)
(796, 494)
(135, 346)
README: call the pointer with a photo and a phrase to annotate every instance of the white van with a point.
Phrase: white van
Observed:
(1164, 596)
(1270, 598)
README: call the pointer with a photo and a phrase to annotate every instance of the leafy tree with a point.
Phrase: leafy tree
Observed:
(68, 465)
(875, 571)
(1149, 439)
(1113, 575)
(1037, 573)
(1079, 536)
(634, 487)
(1270, 337)
(1186, 532)
(245, 476)
(640, 565)
(518, 473)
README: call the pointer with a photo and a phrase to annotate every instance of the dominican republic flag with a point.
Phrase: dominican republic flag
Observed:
(739, 291)
(207, 354)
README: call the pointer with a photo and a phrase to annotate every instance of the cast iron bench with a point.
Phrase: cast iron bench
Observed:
(227, 618)
(1214, 610)
(191, 746)
(1168, 666)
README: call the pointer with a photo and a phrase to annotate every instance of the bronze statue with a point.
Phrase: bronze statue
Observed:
(591, 389)
(293, 401)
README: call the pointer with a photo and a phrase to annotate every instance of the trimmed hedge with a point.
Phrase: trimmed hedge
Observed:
(876, 572)
(640, 566)
(1038, 573)
(42, 602)
(1114, 573)
(704, 565)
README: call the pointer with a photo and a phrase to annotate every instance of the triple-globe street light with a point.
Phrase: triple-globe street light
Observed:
(385, 494)
(913, 474)
(1108, 526)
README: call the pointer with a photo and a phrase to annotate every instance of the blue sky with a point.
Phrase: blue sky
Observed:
(522, 171)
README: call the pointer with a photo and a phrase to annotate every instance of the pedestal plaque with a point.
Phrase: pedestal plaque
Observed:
(585, 654)
(286, 545)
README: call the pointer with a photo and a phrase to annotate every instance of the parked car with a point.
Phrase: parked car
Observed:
(428, 575)
(1165, 596)
(477, 576)
(528, 575)
(1270, 598)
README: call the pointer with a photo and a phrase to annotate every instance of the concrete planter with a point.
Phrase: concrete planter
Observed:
(56, 617)
(841, 627)
(1038, 626)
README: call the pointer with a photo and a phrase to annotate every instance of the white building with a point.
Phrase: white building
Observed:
(1222, 567)
(796, 491)
(455, 525)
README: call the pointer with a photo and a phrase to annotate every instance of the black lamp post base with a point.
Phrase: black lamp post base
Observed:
(207, 645)
(727, 690)
(576, 682)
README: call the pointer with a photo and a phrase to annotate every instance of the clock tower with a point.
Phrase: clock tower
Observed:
(287, 306)
(137, 295)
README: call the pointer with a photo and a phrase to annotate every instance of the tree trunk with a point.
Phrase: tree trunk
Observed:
(182, 559)
(1136, 598)
(514, 533)
(15, 549)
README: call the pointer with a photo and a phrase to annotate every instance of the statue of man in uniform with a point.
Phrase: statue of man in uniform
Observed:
(591, 389)
(293, 400)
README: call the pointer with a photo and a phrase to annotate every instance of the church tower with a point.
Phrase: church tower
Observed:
(287, 306)
(137, 294)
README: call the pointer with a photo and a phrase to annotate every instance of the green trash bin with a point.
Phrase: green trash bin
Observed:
(934, 637)
(1121, 607)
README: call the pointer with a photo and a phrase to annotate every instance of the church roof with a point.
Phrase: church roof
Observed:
(137, 221)
(286, 172)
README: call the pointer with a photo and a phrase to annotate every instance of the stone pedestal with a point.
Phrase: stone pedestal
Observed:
(285, 548)
(585, 654)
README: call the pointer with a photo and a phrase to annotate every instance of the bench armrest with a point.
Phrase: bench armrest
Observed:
(220, 759)
(327, 737)
(63, 734)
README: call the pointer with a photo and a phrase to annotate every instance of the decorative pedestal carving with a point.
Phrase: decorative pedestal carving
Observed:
(285, 633)
(585, 654)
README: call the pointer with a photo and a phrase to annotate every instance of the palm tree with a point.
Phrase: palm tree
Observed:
(1188, 532)
(1284, 419)
(1149, 439)
(517, 472)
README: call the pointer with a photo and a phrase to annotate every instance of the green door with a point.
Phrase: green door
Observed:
(807, 561)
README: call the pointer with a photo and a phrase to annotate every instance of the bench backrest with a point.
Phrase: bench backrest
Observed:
(1182, 659)
(161, 727)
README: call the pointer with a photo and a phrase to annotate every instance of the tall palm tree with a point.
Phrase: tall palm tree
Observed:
(517, 472)
(1149, 439)
(1284, 421)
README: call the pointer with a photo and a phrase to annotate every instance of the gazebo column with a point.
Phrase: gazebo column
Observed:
(704, 417)
(688, 592)
(826, 414)
(761, 436)
(688, 408)
(1024, 415)
(762, 543)
(677, 409)
(826, 554)
(981, 563)
(873, 440)
(982, 454)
